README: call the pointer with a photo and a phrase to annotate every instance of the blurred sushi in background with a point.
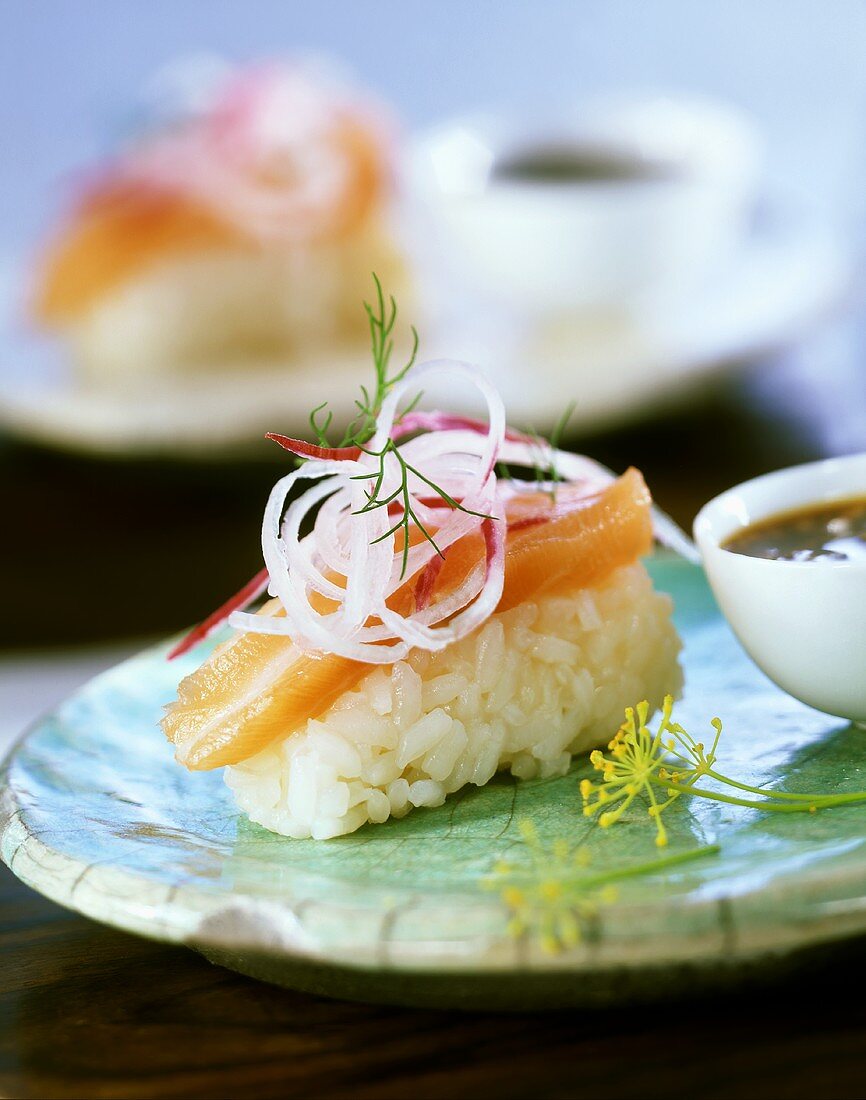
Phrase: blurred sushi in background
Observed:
(626, 246)
(232, 233)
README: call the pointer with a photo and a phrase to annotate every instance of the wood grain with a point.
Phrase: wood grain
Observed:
(87, 1011)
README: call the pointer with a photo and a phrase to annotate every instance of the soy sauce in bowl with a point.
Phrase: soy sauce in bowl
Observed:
(561, 164)
(785, 555)
(823, 532)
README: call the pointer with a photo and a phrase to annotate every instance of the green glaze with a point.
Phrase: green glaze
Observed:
(96, 815)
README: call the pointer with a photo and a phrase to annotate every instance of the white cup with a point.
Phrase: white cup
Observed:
(544, 247)
(803, 623)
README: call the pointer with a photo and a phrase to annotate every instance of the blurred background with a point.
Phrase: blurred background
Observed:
(654, 209)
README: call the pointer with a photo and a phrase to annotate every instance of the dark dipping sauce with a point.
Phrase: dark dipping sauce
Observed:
(563, 164)
(819, 532)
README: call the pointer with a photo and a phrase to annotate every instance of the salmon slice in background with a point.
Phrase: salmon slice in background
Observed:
(125, 225)
(257, 688)
(117, 232)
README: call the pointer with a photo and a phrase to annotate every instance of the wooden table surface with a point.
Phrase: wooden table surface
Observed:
(89, 1012)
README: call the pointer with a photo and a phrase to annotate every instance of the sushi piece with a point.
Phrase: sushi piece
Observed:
(233, 236)
(441, 621)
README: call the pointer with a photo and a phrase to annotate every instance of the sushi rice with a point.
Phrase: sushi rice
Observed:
(523, 693)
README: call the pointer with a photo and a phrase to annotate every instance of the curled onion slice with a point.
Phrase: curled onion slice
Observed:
(361, 583)
(283, 152)
(337, 582)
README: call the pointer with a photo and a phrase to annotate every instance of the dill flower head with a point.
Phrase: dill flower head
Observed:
(552, 894)
(636, 759)
(660, 767)
(546, 896)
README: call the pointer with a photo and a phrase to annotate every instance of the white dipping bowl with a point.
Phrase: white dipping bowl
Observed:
(543, 247)
(803, 623)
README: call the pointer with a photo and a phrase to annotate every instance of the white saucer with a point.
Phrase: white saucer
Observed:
(781, 285)
(617, 370)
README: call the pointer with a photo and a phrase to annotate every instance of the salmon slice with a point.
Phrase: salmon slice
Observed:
(118, 232)
(124, 226)
(257, 688)
(582, 545)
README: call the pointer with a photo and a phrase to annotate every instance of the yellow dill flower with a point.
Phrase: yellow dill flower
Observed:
(545, 895)
(638, 756)
(550, 895)
(513, 897)
(664, 765)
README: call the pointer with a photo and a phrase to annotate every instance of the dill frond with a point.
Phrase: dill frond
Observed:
(403, 497)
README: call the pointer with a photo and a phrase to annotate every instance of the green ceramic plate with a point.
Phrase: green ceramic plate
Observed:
(96, 815)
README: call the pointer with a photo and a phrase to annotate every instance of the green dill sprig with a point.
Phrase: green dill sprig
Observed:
(544, 468)
(402, 494)
(382, 318)
(553, 475)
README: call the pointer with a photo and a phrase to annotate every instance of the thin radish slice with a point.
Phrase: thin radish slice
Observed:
(446, 370)
(426, 581)
(302, 449)
(438, 421)
(250, 591)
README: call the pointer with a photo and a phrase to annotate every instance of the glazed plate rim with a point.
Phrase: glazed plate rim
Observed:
(801, 913)
(137, 904)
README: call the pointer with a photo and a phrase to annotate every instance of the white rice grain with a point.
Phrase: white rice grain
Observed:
(524, 693)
